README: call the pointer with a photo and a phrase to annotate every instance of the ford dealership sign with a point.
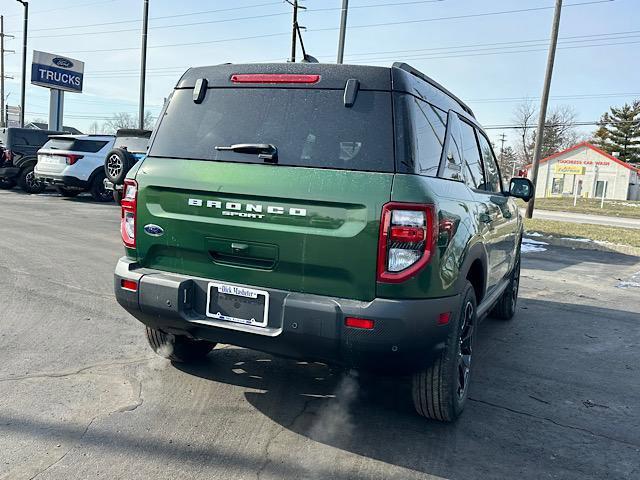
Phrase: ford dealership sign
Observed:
(55, 71)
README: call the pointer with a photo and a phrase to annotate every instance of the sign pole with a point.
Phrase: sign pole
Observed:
(24, 60)
(56, 109)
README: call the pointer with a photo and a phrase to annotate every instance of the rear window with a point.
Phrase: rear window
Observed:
(132, 144)
(309, 127)
(75, 145)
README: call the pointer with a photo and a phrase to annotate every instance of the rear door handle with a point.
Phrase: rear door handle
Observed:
(239, 247)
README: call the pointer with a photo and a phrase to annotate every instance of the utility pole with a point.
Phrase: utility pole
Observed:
(143, 63)
(24, 60)
(1, 71)
(343, 30)
(294, 30)
(502, 140)
(544, 101)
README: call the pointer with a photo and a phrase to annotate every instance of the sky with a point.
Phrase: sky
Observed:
(490, 53)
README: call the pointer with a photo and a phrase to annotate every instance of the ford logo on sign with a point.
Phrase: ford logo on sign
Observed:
(153, 230)
(63, 62)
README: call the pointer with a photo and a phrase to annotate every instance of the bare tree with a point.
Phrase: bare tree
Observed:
(126, 120)
(559, 130)
(118, 121)
(525, 117)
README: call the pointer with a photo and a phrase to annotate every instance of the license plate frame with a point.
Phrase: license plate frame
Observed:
(239, 292)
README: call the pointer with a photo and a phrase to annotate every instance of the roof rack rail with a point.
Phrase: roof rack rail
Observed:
(408, 68)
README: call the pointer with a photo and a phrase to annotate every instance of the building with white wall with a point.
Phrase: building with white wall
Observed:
(587, 172)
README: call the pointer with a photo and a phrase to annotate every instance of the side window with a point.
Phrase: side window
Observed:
(494, 184)
(420, 131)
(452, 161)
(471, 156)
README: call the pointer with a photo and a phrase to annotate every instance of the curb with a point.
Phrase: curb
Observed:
(590, 245)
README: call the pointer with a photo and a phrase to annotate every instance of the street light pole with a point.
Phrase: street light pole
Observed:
(143, 63)
(343, 30)
(544, 101)
(24, 60)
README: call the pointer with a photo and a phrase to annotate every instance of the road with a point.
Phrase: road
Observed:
(555, 393)
(585, 218)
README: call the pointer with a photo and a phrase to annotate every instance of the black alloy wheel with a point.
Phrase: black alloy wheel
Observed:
(465, 349)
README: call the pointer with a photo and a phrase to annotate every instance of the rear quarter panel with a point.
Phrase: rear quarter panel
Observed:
(457, 213)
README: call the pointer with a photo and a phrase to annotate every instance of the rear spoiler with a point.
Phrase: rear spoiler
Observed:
(133, 132)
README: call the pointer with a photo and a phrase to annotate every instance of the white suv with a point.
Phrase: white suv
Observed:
(74, 164)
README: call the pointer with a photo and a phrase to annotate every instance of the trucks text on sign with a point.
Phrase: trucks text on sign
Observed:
(55, 71)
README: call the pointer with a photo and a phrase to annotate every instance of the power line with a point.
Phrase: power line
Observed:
(137, 20)
(458, 54)
(516, 44)
(571, 124)
(403, 22)
(68, 7)
(479, 53)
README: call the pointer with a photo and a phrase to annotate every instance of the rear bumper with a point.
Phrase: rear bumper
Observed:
(63, 180)
(406, 336)
(9, 172)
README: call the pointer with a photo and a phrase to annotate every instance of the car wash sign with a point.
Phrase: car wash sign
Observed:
(55, 71)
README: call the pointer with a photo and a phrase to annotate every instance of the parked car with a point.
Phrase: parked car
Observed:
(18, 157)
(351, 215)
(129, 148)
(74, 164)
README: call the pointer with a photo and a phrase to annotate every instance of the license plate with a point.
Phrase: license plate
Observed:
(235, 303)
(51, 160)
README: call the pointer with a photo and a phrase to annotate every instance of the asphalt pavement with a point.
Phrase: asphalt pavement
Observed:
(555, 392)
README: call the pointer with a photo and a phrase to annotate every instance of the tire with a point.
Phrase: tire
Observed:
(440, 391)
(7, 183)
(68, 192)
(505, 309)
(117, 164)
(97, 190)
(27, 181)
(178, 348)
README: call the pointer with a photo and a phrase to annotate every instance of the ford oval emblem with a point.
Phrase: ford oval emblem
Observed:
(153, 230)
(63, 62)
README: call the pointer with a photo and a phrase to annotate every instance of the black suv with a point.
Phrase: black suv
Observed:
(18, 157)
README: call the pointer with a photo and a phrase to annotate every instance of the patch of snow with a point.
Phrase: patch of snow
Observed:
(532, 246)
(633, 282)
(626, 204)
(583, 240)
(526, 248)
(534, 234)
(533, 242)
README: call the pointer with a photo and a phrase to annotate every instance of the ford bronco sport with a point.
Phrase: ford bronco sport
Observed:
(351, 215)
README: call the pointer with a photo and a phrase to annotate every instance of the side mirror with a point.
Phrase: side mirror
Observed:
(521, 188)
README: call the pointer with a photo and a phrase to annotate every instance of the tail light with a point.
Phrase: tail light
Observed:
(72, 158)
(407, 240)
(7, 155)
(128, 219)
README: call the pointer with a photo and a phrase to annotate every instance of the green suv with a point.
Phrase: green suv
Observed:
(352, 215)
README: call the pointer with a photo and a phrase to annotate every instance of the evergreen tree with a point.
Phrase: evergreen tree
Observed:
(619, 131)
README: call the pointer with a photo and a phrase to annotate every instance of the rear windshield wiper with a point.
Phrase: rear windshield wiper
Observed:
(265, 151)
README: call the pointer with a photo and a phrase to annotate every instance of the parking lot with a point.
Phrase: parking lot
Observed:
(555, 393)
